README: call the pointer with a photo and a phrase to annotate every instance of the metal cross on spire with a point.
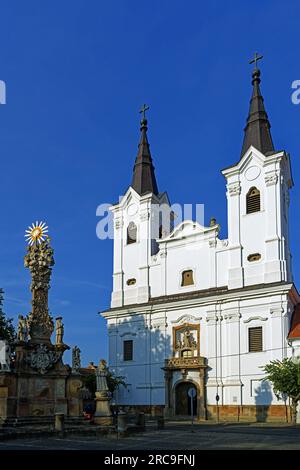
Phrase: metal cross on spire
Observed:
(143, 110)
(255, 60)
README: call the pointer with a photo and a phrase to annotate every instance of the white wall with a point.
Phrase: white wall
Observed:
(232, 372)
(264, 232)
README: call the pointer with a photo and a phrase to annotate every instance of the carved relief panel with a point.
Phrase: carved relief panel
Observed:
(186, 340)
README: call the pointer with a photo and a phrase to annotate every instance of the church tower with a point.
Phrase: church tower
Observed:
(140, 218)
(193, 311)
(258, 201)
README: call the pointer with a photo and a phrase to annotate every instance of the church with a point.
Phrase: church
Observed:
(190, 310)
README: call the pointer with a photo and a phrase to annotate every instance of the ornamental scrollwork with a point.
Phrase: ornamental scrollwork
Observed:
(43, 358)
(39, 259)
(234, 189)
(271, 179)
(145, 215)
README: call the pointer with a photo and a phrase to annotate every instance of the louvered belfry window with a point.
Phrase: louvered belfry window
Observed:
(255, 339)
(128, 350)
(253, 201)
(131, 233)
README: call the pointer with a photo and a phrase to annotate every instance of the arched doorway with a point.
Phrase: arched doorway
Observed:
(183, 401)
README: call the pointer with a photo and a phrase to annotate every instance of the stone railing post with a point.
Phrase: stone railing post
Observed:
(60, 424)
(121, 423)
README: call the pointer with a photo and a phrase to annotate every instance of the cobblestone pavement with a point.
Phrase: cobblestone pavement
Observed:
(175, 436)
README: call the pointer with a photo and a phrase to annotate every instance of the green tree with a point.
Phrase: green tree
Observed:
(113, 382)
(89, 381)
(7, 330)
(285, 378)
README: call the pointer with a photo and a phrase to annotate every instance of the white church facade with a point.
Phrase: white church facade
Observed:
(192, 310)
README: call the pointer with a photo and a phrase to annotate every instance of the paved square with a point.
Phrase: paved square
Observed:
(175, 436)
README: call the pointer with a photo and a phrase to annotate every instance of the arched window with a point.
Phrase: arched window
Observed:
(253, 200)
(131, 233)
(187, 278)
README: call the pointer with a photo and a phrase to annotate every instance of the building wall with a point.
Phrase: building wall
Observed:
(155, 264)
(233, 373)
(264, 232)
(254, 293)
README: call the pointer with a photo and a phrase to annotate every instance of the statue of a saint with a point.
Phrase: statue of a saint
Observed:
(188, 340)
(22, 328)
(103, 395)
(59, 330)
(76, 360)
(5, 355)
(101, 374)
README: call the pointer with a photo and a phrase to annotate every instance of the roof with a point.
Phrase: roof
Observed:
(90, 369)
(294, 332)
(257, 130)
(143, 179)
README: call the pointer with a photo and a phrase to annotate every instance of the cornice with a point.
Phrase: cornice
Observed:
(198, 299)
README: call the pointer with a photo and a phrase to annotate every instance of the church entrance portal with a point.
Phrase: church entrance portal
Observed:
(183, 401)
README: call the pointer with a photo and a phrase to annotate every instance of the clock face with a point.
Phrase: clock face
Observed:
(252, 173)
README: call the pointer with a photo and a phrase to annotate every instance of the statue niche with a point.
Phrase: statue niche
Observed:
(186, 340)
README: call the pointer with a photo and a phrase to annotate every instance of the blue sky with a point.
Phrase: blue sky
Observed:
(76, 75)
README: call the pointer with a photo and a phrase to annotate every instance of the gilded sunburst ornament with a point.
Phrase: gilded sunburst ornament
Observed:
(36, 233)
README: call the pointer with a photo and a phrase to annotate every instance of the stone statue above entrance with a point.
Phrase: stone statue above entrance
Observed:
(186, 340)
(185, 370)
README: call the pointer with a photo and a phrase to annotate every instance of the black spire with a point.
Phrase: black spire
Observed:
(257, 130)
(143, 180)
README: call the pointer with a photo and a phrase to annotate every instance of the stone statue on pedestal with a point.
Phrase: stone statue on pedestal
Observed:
(76, 361)
(103, 396)
(101, 374)
(59, 331)
(38, 382)
(40, 354)
(5, 355)
(22, 329)
(39, 259)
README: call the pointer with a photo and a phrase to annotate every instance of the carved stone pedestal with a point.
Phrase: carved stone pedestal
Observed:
(103, 413)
